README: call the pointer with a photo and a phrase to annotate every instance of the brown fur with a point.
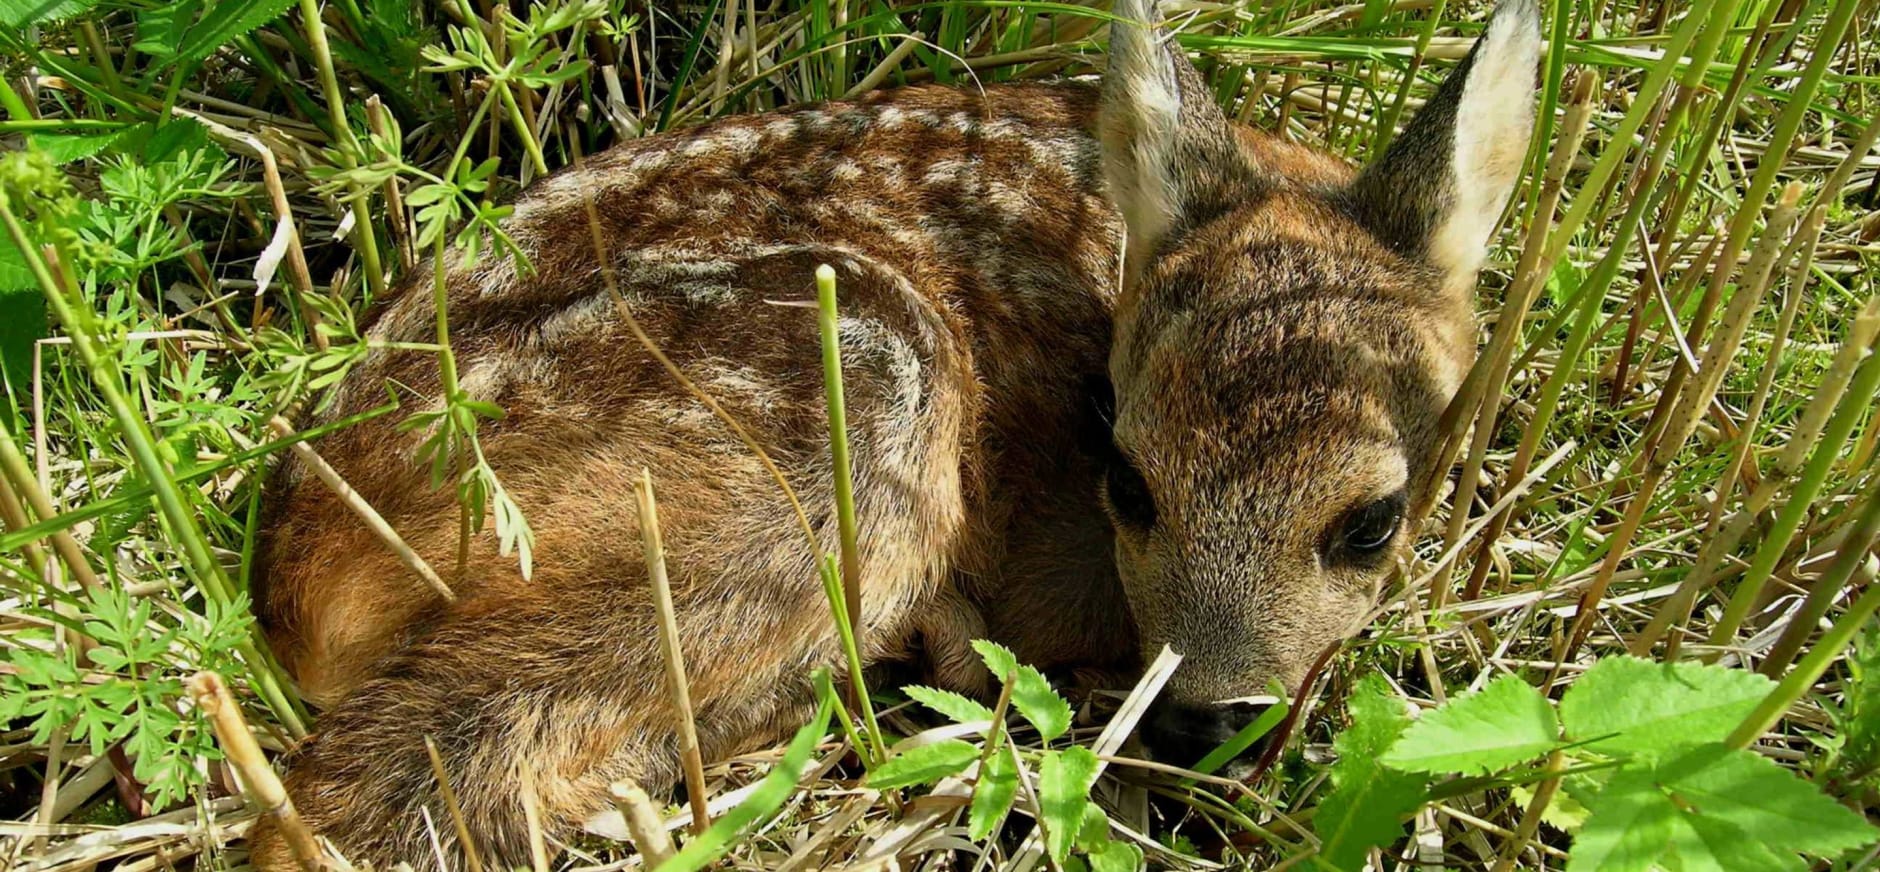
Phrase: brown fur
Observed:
(1276, 360)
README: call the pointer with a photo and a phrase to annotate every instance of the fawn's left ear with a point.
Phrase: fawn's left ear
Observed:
(1439, 189)
(1169, 155)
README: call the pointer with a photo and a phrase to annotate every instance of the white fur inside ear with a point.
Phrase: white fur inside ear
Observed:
(1141, 123)
(1493, 123)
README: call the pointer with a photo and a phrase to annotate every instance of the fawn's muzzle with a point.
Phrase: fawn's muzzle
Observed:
(1181, 734)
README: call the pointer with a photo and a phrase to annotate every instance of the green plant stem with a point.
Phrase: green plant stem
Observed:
(62, 299)
(363, 236)
(529, 144)
(829, 326)
(1854, 408)
(1825, 651)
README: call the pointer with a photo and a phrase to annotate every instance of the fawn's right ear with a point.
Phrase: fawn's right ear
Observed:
(1169, 155)
(1437, 192)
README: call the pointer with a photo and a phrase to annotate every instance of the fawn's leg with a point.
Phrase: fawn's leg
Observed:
(575, 689)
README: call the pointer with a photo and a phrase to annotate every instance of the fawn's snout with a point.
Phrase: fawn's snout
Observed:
(1184, 733)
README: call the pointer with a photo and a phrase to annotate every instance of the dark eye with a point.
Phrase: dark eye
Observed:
(1371, 528)
(1129, 494)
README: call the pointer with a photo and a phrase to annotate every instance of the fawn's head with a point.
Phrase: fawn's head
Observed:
(1285, 343)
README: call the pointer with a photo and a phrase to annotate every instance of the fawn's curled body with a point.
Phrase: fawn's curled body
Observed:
(1121, 374)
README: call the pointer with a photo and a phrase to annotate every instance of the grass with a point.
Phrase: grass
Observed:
(1668, 446)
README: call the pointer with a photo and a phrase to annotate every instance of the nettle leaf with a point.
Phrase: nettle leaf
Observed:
(18, 14)
(1701, 844)
(1626, 705)
(1064, 780)
(1764, 800)
(993, 795)
(1031, 692)
(1713, 808)
(1628, 827)
(1368, 801)
(1505, 723)
(923, 765)
(955, 706)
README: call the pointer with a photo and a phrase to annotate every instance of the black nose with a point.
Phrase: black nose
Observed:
(1182, 734)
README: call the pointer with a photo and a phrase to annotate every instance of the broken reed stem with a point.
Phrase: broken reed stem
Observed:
(531, 813)
(1692, 403)
(359, 507)
(1531, 817)
(1826, 650)
(24, 488)
(1842, 372)
(464, 843)
(1789, 520)
(689, 757)
(1852, 559)
(261, 784)
(644, 828)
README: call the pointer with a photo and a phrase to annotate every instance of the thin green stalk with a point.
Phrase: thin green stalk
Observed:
(851, 620)
(363, 236)
(1862, 533)
(529, 144)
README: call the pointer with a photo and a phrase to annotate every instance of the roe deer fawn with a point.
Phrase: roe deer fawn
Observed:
(1121, 374)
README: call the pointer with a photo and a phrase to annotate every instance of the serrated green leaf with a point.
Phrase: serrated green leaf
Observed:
(923, 765)
(993, 795)
(1505, 723)
(1064, 780)
(1115, 856)
(1765, 801)
(1367, 802)
(955, 706)
(1704, 844)
(64, 148)
(1032, 695)
(1628, 827)
(1642, 707)
(19, 14)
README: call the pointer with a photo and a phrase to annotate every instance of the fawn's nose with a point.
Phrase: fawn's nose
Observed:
(1181, 734)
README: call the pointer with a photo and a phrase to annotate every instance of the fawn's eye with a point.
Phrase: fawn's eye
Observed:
(1128, 494)
(1371, 528)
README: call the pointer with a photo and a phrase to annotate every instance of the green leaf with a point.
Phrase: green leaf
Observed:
(1507, 722)
(954, 706)
(64, 148)
(923, 765)
(225, 21)
(1764, 800)
(1368, 801)
(1629, 826)
(1642, 707)
(993, 795)
(760, 804)
(1031, 692)
(1703, 844)
(22, 322)
(19, 14)
(1064, 780)
(1115, 856)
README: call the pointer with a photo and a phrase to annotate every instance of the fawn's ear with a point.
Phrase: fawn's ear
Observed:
(1439, 189)
(1169, 155)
